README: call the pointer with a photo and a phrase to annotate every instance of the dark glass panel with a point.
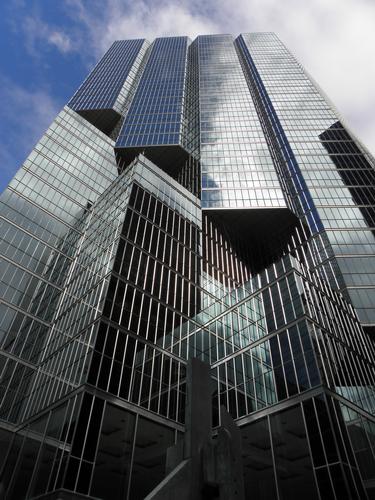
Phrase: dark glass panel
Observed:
(93, 429)
(290, 378)
(280, 383)
(111, 470)
(94, 368)
(84, 477)
(119, 255)
(325, 485)
(83, 421)
(257, 461)
(115, 377)
(303, 380)
(326, 429)
(126, 260)
(101, 337)
(11, 460)
(105, 369)
(110, 296)
(57, 421)
(120, 346)
(338, 481)
(45, 464)
(71, 473)
(152, 441)
(292, 456)
(111, 341)
(313, 433)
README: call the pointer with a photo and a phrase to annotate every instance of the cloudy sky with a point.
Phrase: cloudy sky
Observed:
(48, 47)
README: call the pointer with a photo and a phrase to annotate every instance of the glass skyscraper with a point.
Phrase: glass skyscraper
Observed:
(194, 199)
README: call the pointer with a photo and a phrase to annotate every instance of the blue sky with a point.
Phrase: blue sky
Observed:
(48, 47)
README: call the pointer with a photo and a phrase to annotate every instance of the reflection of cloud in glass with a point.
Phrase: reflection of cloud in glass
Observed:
(234, 154)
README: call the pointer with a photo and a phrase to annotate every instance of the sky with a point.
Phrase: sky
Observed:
(48, 47)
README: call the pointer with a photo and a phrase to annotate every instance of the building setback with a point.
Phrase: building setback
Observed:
(194, 199)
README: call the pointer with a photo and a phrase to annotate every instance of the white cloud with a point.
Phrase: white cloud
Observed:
(38, 33)
(137, 19)
(24, 116)
(60, 40)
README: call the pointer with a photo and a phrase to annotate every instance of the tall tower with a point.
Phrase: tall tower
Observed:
(194, 199)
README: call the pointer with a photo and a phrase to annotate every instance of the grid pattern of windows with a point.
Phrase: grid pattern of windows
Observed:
(41, 225)
(237, 168)
(361, 432)
(318, 251)
(151, 294)
(125, 233)
(108, 84)
(116, 271)
(155, 116)
(356, 169)
(84, 442)
(330, 161)
(67, 350)
(295, 453)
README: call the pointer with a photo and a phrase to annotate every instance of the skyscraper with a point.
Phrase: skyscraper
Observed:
(194, 199)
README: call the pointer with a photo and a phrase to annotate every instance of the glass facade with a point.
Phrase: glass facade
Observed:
(105, 96)
(193, 200)
(157, 115)
(237, 167)
(336, 169)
